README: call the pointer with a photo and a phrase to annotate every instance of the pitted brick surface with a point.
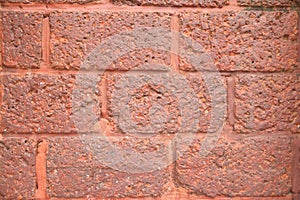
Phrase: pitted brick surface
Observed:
(22, 39)
(242, 40)
(245, 166)
(267, 103)
(17, 168)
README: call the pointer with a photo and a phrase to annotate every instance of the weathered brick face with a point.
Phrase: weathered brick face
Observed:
(263, 3)
(17, 168)
(37, 103)
(155, 91)
(244, 40)
(53, 1)
(75, 34)
(245, 166)
(149, 99)
(22, 39)
(178, 3)
(267, 103)
(85, 172)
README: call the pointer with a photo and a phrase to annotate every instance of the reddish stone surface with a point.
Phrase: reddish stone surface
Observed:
(296, 165)
(296, 196)
(17, 168)
(21, 39)
(75, 34)
(244, 166)
(81, 172)
(242, 40)
(139, 60)
(23, 1)
(75, 1)
(36, 103)
(177, 3)
(164, 92)
(53, 1)
(271, 3)
(266, 103)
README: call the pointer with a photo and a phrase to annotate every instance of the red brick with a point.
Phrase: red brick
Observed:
(17, 168)
(75, 34)
(41, 103)
(83, 172)
(296, 165)
(22, 39)
(177, 3)
(75, 1)
(242, 40)
(267, 103)
(296, 196)
(23, 1)
(53, 1)
(241, 166)
(267, 3)
(146, 95)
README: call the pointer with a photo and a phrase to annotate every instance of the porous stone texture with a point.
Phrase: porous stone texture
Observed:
(76, 1)
(22, 1)
(267, 3)
(296, 166)
(44, 103)
(240, 40)
(74, 35)
(97, 170)
(54, 1)
(17, 168)
(21, 39)
(242, 166)
(177, 3)
(266, 103)
(166, 103)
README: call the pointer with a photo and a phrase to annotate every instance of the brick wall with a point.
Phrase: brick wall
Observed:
(136, 99)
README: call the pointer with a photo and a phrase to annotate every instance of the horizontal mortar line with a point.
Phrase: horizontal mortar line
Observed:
(46, 136)
(77, 72)
(235, 136)
(44, 72)
(16, 71)
(228, 73)
(112, 7)
(38, 135)
(266, 73)
(136, 8)
(202, 197)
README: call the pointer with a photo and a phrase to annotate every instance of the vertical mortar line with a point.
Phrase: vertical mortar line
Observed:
(230, 99)
(46, 41)
(1, 40)
(103, 97)
(175, 41)
(298, 38)
(41, 174)
(1, 67)
(175, 28)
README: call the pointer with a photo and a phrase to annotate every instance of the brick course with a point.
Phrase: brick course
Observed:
(100, 100)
